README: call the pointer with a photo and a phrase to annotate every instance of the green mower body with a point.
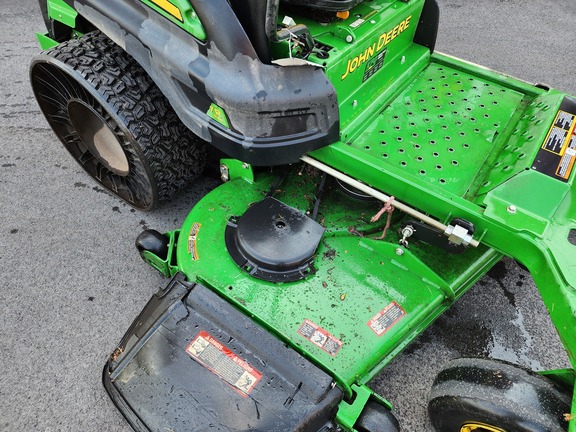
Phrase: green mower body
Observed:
(369, 182)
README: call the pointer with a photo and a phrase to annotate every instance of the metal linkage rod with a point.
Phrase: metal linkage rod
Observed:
(379, 195)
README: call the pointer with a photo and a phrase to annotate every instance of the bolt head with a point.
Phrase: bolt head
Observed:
(224, 173)
(399, 251)
(511, 209)
(349, 38)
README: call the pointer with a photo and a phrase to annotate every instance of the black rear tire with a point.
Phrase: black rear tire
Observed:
(115, 121)
(478, 395)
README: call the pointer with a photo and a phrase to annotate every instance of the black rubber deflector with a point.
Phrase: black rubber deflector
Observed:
(158, 385)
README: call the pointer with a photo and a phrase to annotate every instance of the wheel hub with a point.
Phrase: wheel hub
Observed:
(98, 137)
(479, 427)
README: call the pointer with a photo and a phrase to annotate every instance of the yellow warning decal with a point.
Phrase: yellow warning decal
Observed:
(567, 161)
(168, 7)
(560, 133)
(561, 141)
(479, 427)
(218, 114)
(556, 156)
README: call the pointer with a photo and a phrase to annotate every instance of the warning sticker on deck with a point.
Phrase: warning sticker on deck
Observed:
(557, 154)
(559, 132)
(386, 318)
(320, 337)
(217, 358)
(192, 240)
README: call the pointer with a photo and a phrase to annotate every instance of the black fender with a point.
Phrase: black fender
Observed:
(275, 114)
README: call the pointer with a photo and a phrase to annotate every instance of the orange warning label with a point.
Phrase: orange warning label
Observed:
(219, 359)
(193, 239)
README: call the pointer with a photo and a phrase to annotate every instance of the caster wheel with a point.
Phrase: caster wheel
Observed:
(154, 242)
(376, 418)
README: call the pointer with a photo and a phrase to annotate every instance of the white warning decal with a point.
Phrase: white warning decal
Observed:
(386, 318)
(217, 358)
(320, 337)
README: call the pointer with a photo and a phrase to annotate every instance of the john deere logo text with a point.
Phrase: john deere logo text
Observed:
(376, 47)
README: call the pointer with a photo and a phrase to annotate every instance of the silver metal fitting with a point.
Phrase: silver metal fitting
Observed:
(224, 173)
(406, 232)
(458, 235)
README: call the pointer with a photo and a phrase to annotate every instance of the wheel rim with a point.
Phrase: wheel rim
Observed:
(92, 135)
(479, 427)
(98, 137)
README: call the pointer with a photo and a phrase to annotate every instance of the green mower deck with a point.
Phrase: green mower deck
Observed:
(346, 292)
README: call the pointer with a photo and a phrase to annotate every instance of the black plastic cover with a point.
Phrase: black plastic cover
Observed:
(275, 114)
(273, 241)
(158, 386)
(427, 30)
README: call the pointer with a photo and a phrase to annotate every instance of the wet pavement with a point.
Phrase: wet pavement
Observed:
(501, 317)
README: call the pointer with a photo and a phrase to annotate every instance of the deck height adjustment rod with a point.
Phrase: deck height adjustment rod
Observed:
(456, 234)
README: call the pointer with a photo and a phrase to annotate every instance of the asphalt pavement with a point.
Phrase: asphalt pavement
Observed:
(72, 282)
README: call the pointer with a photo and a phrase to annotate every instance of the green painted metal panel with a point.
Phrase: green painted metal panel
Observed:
(357, 278)
(45, 41)
(60, 11)
(527, 202)
(443, 128)
(372, 57)
(521, 145)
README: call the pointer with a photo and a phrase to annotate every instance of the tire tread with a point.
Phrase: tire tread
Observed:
(174, 155)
